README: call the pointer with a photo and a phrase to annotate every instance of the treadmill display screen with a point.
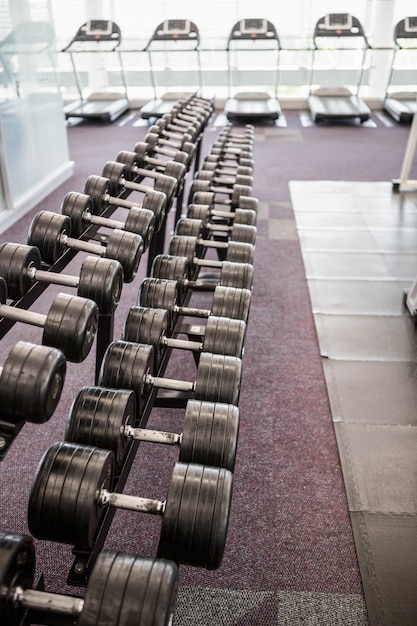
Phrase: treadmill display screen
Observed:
(99, 27)
(176, 27)
(258, 26)
(411, 24)
(338, 21)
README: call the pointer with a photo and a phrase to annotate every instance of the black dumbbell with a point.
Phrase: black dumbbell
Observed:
(180, 268)
(236, 232)
(223, 160)
(226, 167)
(50, 233)
(70, 324)
(121, 589)
(192, 247)
(207, 214)
(106, 418)
(149, 166)
(174, 137)
(222, 335)
(154, 139)
(227, 180)
(173, 126)
(232, 194)
(99, 188)
(100, 280)
(71, 493)
(79, 208)
(208, 198)
(121, 178)
(129, 365)
(229, 151)
(31, 382)
(227, 302)
(147, 153)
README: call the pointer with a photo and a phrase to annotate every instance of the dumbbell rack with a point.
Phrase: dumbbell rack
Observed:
(84, 560)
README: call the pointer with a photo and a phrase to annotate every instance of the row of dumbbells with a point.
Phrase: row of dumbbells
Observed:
(152, 602)
(71, 323)
(104, 422)
(207, 541)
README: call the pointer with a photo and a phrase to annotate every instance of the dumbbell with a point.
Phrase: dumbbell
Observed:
(226, 167)
(222, 335)
(31, 382)
(235, 251)
(80, 209)
(228, 150)
(183, 145)
(222, 160)
(130, 365)
(176, 126)
(147, 154)
(137, 165)
(236, 232)
(99, 188)
(182, 269)
(222, 179)
(50, 233)
(206, 213)
(233, 194)
(176, 136)
(121, 178)
(122, 589)
(160, 293)
(106, 418)
(100, 280)
(70, 324)
(71, 493)
(249, 203)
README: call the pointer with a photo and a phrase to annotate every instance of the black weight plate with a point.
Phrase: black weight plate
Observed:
(240, 252)
(126, 590)
(199, 212)
(196, 518)
(130, 160)
(127, 248)
(171, 267)
(243, 233)
(175, 169)
(142, 150)
(142, 222)
(204, 197)
(196, 187)
(231, 302)
(158, 293)
(124, 366)
(156, 202)
(45, 233)
(148, 325)
(189, 227)
(114, 171)
(15, 259)
(101, 280)
(97, 417)
(97, 188)
(31, 382)
(17, 569)
(177, 268)
(237, 275)
(63, 503)
(245, 216)
(184, 246)
(71, 326)
(210, 434)
(224, 335)
(248, 203)
(3, 291)
(218, 378)
(167, 185)
(75, 206)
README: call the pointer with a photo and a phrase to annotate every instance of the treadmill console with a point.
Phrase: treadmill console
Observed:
(96, 31)
(338, 21)
(174, 30)
(410, 24)
(253, 28)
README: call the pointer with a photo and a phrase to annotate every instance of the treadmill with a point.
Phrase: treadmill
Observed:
(97, 36)
(334, 32)
(401, 106)
(252, 106)
(170, 36)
